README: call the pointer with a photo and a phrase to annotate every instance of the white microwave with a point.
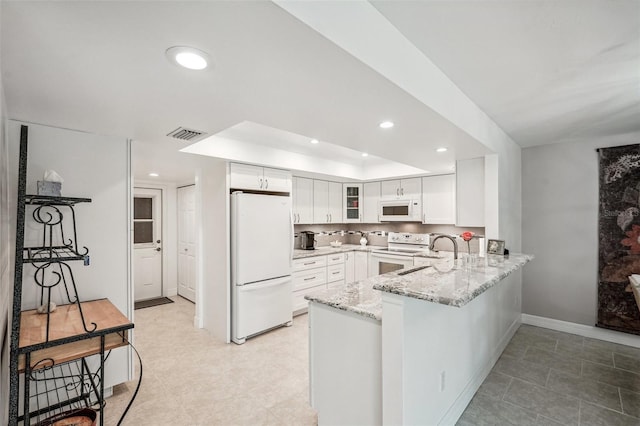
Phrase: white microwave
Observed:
(403, 210)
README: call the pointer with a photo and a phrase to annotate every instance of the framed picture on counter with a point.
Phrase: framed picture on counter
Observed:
(495, 247)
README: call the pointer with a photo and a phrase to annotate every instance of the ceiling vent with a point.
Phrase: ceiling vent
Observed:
(185, 134)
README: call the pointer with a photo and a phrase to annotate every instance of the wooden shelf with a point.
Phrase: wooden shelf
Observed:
(67, 338)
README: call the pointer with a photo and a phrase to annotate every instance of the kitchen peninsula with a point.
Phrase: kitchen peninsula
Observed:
(411, 346)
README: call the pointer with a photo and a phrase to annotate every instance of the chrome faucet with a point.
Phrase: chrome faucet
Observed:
(453, 240)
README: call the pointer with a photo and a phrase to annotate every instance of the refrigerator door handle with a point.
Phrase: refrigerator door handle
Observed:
(291, 238)
(271, 283)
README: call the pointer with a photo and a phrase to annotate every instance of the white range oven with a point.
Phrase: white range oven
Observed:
(399, 253)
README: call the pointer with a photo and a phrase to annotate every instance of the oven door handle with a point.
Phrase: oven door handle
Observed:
(390, 256)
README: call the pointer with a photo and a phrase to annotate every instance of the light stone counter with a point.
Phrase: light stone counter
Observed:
(444, 282)
(325, 250)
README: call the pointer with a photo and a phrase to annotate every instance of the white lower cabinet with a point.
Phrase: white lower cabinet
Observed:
(335, 270)
(314, 274)
(309, 275)
(361, 265)
(349, 267)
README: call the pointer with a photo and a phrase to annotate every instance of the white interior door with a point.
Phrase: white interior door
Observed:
(187, 243)
(147, 243)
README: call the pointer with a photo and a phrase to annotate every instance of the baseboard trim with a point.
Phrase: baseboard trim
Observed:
(583, 330)
(455, 411)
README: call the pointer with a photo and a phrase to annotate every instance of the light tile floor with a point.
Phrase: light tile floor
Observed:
(190, 379)
(543, 377)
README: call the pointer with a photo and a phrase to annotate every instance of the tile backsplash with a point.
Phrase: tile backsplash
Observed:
(378, 240)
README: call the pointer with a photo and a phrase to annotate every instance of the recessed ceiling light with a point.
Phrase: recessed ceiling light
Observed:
(314, 141)
(188, 57)
(364, 154)
(154, 174)
(386, 124)
(443, 149)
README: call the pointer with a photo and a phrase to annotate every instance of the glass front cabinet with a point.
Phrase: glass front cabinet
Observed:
(352, 193)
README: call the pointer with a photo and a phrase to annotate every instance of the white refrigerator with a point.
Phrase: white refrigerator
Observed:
(261, 263)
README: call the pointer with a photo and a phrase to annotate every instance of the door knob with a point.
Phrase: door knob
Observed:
(158, 249)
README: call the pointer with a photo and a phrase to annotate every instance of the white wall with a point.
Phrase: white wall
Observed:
(96, 167)
(213, 298)
(560, 227)
(7, 223)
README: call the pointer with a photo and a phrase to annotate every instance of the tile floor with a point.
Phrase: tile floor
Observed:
(543, 378)
(190, 379)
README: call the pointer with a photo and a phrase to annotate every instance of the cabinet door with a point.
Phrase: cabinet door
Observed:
(470, 192)
(411, 188)
(361, 266)
(349, 267)
(303, 200)
(244, 176)
(390, 189)
(352, 201)
(320, 201)
(276, 180)
(439, 199)
(335, 202)
(371, 202)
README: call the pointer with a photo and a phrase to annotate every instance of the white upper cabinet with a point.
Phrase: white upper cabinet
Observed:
(277, 180)
(335, 202)
(371, 202)
(401, 188)
(302, 200)
(245, 176)
(470, 192)
(327, 202)
(439, 199)
(352, 202)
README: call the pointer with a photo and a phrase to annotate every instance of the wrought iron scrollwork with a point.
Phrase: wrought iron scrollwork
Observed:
(55, 244)
(47, 281)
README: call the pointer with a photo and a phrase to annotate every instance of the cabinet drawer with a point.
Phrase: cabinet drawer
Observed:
(333, 259)
(308, 279)
(309, 263)
(299, 302)
(335, 272)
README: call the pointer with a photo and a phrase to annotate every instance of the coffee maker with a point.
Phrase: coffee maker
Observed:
(307, 240)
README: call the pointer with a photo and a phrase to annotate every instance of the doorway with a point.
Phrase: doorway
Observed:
(147, 243)
(187, 243)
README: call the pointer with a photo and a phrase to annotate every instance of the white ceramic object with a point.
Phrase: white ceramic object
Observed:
(42, 309)
(363, 241)
(335, 243)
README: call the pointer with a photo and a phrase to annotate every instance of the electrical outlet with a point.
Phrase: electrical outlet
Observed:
(442, 381)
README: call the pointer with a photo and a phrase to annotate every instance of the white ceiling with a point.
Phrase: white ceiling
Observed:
(545, 71)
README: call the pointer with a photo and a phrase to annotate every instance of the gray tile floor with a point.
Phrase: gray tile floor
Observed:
(543, 378)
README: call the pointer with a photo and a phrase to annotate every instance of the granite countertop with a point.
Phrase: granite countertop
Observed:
(446, 282)
(322, 251)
